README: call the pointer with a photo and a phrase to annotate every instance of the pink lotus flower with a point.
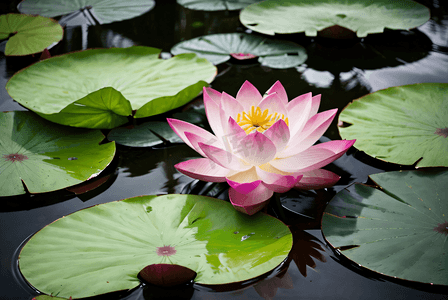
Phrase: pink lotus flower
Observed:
(261, 144)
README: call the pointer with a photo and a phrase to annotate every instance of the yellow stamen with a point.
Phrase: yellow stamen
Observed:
(258, 120)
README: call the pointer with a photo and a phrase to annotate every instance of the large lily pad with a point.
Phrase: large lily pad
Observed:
(400, 230)
(210, 5)
(401, 124)
(45, 156)
(93, 88)
(91, 11)
(218, 48)
(103, 248)
(311, 16)
(28, 34)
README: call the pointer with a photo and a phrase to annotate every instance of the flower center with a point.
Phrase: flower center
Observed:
(258, 120)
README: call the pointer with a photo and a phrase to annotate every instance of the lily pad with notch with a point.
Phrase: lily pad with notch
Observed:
(404, 125)
(28, 34)
(39, 156)
(84, 89)
(90, 12)
(219, 48)
(399, 229)
(213, 5)
(103, 248)
(311, 16)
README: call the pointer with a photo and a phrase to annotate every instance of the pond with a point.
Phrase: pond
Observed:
(339, 70)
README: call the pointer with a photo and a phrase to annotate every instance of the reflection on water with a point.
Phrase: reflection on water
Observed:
(268, 288)
(432, 68)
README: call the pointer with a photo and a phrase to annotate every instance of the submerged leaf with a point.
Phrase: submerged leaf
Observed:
(103, 248)
(145, 135)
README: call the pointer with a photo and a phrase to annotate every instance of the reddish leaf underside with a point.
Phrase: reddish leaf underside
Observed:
(167, 275)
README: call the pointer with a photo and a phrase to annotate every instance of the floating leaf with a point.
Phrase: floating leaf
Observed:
(28, 34)
(93, 88)
(284, 61)
(218, 48)
(401, 124)
(46, 297)
(311, 16)
(103, 248)
(45, 156)
(91, 11)
(400, 230)
(210, 5)
(145, 135)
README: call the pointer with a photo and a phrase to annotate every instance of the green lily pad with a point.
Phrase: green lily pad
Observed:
(45, 156)
(145, 135)
(103, 248)
(46, 297)
(401, 124)
(90, 11)
(400, 230)
(210, 5)
(93, 88)
(218, 48)
(311, 16)
(28, 34)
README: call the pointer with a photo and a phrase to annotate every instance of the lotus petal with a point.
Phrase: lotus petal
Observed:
(307, 160)
(224, 158)
(229, 108)
(248, 96)
(203, 169)
(212, 94)
(243, 188)
(181, 127)
(213, 112)
(277, 180)
(278, 88)
(252, 202)
(274, 104)
(313, 130)
(246, 176)
(278, 134)
(299, 110)
(256, 149)
(317, 179)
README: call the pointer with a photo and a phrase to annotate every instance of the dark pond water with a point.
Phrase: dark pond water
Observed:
(340, 71)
